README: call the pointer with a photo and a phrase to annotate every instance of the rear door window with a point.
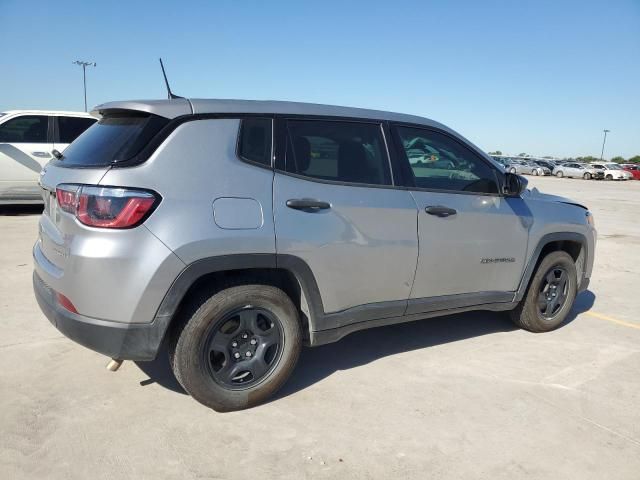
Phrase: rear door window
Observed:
(339, 151)
(114, 139)
(25, 129)
(70, 128)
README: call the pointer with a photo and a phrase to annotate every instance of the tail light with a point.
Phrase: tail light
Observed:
(106, 207)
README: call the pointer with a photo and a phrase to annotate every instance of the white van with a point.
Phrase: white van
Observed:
(27, 139)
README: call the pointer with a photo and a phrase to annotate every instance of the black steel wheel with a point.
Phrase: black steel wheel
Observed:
(550, 295)
(235, 348)
(243, 347)
(553, 292)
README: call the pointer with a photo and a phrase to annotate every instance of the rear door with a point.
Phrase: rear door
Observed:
(473, 241)
(68, 128)
(25, 147)
(336, 208)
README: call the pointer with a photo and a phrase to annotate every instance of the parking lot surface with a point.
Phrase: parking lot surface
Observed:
(465, 396)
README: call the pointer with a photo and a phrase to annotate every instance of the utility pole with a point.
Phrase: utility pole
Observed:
(603, 142)
(84, 66)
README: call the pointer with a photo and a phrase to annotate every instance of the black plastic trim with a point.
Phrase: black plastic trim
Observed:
(199, 268)
(334, 334)
(445, 302)
(337, 324)
(123, 341)
(535, 256)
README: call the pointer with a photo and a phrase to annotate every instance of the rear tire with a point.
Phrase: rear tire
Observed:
(512, 170)
(535, 172)
(229, 336)
(550, 295)
(559, 174)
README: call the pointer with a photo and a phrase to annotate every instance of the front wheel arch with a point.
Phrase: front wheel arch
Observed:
(575, 244)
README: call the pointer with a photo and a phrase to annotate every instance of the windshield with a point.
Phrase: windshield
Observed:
(115, 138)
(613, 166)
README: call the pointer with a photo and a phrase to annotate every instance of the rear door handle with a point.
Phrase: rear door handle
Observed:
(307, 204)
(440, 211)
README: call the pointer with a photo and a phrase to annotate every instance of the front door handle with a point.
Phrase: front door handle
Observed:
(40, 154)
(307, 204)
(440, 211)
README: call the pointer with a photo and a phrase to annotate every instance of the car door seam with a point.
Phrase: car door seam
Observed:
(415, 270)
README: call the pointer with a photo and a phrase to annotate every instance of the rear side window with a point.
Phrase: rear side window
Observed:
(255, 140)
(338, 151)
(438, 162)
(25, 129)
(115, 138)
(70, 128)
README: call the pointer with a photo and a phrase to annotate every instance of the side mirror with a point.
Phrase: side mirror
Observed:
(514, 185)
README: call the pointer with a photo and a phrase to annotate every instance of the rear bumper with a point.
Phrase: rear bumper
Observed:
(123, 341)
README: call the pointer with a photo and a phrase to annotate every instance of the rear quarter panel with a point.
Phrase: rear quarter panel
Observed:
(196, 166)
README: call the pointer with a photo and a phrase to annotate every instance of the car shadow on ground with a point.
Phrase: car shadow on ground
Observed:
(20, 210)
(361, 348)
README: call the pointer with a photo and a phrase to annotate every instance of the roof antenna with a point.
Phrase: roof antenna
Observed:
(170, 94)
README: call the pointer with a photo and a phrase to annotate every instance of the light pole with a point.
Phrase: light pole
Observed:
(84, 66)
(603, 142)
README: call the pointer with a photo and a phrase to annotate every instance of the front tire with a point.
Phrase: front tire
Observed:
(512, 170)
(587, 176)
(550, 295)
(237, 347)
(609, 177)
(559, 174)
(534, 172)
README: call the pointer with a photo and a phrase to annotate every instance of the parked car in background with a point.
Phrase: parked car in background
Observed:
(546, 163)
(27, 141)
(577, 170)
(525, 167)
(503, 161)
(612, 171)
(634, 170)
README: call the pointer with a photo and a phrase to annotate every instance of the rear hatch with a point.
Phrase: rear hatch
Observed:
(119, 138)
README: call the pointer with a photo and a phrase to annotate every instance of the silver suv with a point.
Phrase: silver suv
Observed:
(234, 232)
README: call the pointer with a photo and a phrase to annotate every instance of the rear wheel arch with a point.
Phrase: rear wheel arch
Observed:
(575, 244)
(207, 276)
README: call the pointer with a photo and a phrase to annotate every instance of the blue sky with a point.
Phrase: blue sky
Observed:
(542, 77)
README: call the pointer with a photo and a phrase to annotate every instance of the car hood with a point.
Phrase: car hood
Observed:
(535, 194)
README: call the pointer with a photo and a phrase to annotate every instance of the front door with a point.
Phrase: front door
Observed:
(336, 209)
(473, 241)
(25, 148)
(68, 129)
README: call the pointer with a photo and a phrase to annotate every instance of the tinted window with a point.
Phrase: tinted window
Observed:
(339, 151)
(69, 128)
(115, 138)
(439, 162)
(25, 129)
(255, 140)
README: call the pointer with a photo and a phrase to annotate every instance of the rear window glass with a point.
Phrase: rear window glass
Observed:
(115, 138)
